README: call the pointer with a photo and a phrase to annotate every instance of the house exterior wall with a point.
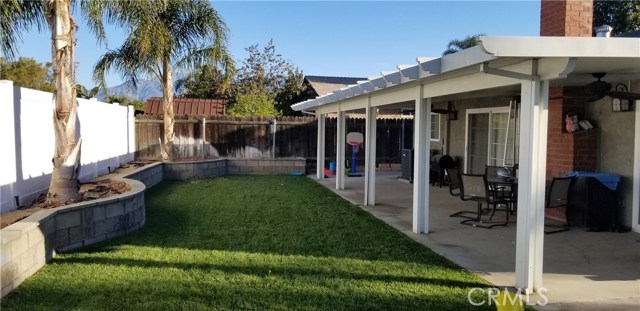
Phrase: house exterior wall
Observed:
(567, 152)
(616, 132)
(457, 129)
(608, 148)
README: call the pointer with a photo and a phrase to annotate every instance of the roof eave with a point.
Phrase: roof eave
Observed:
(489, 49)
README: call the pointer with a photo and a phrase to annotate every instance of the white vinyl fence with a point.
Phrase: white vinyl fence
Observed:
(27, 141)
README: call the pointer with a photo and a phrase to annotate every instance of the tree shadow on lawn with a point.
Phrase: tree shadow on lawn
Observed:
(144, 293)
(291, 245)
(270, 270)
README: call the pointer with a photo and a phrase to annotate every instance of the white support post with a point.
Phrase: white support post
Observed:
(370, 155)
(635, 203)
(340, 149)
(421, 143)
(320, 148)
(531, 184)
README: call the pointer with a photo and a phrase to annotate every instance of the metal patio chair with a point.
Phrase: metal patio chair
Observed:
(558, 197)
(471, 188)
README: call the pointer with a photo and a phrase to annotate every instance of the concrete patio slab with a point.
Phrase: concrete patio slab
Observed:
(582, 270)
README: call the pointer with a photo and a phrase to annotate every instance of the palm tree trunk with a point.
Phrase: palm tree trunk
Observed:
(66, 159)
(169, 117)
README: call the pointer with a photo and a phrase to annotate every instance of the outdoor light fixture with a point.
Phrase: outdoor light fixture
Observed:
(452, 113)
(621, 99)
(620, 105)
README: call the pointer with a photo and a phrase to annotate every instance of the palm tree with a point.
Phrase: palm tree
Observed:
(459, 45)
(18, 16)
(82, 91)
(163, 35)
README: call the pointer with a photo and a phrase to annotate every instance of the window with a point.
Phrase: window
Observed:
(435, 127)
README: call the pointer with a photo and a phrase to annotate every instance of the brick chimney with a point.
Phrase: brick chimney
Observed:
(567, 151)
(566, 18)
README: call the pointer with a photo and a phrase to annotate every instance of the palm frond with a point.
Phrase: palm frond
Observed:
(459, 45)
(16, 17)
(161, 34)
(126, 61)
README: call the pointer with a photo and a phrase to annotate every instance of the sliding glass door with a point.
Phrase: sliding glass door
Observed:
(490, 139)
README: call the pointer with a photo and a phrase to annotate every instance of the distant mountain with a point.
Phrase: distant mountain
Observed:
(145, 89)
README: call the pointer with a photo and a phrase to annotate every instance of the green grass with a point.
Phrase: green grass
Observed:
(259, 242)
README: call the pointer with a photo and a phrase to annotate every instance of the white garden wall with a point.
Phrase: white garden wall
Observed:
(27, 141)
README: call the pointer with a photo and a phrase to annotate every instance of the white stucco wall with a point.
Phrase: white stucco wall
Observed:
(26, 124)
(617, 132)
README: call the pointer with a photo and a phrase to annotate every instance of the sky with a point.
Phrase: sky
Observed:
(330, 38)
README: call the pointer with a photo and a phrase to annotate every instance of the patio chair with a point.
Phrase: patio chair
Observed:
(455, 190)
(454, 181)
(558, 197)
(498, 195)
(471, 188)
(504, 190)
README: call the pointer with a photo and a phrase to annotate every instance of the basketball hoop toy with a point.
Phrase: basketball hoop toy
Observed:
(354, 139)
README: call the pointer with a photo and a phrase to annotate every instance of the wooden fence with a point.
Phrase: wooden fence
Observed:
(262, 137)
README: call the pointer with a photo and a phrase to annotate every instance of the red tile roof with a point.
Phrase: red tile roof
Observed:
(187, 106)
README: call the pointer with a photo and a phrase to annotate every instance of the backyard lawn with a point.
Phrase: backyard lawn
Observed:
(251, 242)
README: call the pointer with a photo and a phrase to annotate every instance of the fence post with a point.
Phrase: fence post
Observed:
(204, 136)
(273, 141)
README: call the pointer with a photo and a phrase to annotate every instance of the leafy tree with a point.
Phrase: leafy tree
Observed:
(82, 91)
(26, 72)
(293, 91)
(162, 36)
(120, 99)
(17, 16)
(254, 103)
(623, 16)
(459, 45)
(269, 73)
(125, 101)
(137, 104)
(205, 82)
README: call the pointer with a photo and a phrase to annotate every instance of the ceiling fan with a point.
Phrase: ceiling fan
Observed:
(599, 89)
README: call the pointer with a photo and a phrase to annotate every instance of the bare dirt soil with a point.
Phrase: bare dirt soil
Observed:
(102, 187)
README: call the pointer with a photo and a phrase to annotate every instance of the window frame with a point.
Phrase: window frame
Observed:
(439, 118)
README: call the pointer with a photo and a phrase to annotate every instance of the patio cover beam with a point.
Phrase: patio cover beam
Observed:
(484, 67)
(370, 155)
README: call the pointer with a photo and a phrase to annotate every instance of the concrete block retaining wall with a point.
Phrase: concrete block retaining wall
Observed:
(221, 167)
(149, 175)
(30, 243)
(266, 166)
(195, 170)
